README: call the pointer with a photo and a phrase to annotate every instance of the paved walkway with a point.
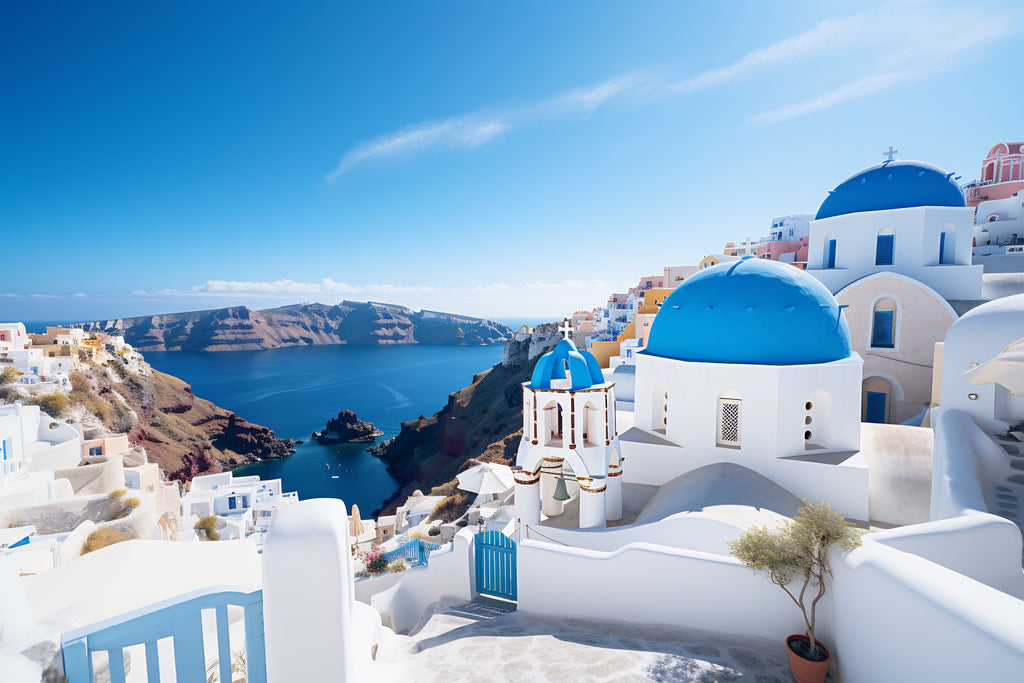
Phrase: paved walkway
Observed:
(483, 642)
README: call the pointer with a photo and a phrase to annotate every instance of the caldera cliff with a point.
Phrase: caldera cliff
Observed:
(350, 322)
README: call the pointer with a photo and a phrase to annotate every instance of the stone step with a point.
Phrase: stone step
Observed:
(1006, 505)
(1007, 497)
(1012, 450)
(1002, 513)
(1004, 489)
(1016, 479)
(1017, 464)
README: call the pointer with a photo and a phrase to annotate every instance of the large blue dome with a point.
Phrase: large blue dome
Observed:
(752, 311)
(893, 185)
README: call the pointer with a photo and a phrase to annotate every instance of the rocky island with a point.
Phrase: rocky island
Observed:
(347, 428)
(239, 328)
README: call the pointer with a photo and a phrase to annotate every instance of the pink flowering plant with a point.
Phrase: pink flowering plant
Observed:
(374, 560)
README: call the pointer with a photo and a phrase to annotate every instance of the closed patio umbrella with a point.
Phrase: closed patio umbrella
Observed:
(1006, 369)
(355, 527)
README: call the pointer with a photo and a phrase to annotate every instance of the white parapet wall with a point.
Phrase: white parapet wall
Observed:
(315, 630)
(651, 584)
(900, 617)
(449, 573)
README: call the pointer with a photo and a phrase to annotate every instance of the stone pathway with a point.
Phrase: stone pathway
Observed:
(484, 642)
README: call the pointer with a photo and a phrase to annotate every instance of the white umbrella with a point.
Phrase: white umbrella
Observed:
(486, 478)
(1006, 369)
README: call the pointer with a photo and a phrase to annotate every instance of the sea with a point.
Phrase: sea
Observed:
(295, 390)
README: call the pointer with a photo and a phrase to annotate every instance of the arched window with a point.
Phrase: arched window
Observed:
(990, 172)
(885, 247)
(883, 324)
(730, 418)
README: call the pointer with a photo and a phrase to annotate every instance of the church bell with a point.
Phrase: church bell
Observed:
(561, 493)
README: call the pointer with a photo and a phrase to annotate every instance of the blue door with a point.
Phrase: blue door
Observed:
(876, 407)
(496, 565)
(942, 249)
(831, 254)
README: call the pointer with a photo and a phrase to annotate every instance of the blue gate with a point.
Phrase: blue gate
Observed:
(496, 565)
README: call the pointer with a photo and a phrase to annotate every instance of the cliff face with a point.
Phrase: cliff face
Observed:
(350, 322)
(181, 432)
(482, 421)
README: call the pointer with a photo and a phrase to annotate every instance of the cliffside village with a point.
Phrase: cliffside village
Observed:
(868, 356)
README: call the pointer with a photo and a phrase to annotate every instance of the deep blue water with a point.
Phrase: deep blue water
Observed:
(296, 390)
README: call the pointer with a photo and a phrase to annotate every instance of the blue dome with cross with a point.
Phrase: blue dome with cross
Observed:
(893, 185)
(752, 311)
(566, 362)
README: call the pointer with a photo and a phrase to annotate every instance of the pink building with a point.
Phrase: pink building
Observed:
(786, 251)
(651, 282)
(1002, 174)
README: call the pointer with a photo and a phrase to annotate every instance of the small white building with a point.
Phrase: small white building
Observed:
(32, 446)
(900, 216)
(245, 504)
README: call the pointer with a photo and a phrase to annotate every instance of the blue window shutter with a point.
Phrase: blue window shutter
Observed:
(942, 248)
(831, 253)
(881, 331)
(232, 503)
(883, 250)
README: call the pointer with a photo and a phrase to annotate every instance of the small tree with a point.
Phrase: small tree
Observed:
(8, 375)
(102, 537)
(798, 553)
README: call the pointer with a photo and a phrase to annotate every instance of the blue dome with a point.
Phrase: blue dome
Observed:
(893, 185)
(752, 311)
(565, 361)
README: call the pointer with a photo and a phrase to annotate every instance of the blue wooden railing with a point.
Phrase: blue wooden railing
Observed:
(181, 619)
(415, 552)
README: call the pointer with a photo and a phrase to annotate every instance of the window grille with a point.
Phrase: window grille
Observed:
(729, 421)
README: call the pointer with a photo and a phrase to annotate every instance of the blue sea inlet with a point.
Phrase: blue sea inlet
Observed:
(295, 390)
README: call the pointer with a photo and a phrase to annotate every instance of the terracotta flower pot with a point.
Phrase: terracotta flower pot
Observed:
(806, 670)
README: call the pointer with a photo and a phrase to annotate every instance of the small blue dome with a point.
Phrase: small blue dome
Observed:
(752, 311)
(893, 185)
(565, 361)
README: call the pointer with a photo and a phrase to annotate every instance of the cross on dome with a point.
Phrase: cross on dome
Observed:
(890, 153)
(566, 329)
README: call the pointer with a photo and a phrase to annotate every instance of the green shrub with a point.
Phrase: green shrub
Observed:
(102, 537)
(52, 404)
(208, 525)
(8, 375)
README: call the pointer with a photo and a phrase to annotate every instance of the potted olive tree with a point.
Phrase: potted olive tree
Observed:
(795, 558)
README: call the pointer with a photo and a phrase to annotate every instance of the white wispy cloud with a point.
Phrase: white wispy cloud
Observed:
(32, 296)
(903, 43)
(79, 294)
(897, 44)
(472, 130)
(290, 288)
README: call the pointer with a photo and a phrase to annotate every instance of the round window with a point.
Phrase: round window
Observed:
(807, 436)
(807, 420)
(808, 405)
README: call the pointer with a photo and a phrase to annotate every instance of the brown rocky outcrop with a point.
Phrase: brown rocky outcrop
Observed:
(346, 428)
(350, 322)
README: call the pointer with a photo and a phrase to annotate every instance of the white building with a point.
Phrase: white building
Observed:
(901, 216)
(33, 445)
(245, 504)
(790, 228)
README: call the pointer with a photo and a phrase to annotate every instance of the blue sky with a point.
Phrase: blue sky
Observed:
(496, 159)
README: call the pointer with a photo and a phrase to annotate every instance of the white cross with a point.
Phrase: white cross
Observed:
(890, 153)
(566, 329)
